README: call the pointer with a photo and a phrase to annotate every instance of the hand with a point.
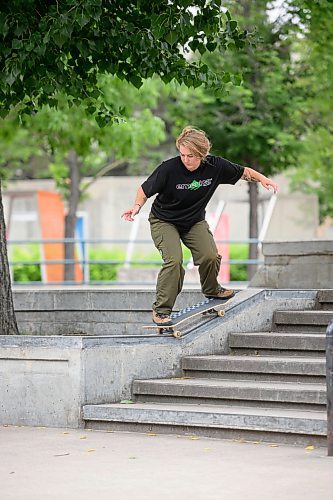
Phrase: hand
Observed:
(130, 214)
(268, 184)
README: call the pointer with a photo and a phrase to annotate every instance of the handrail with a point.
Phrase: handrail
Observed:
(329, 384)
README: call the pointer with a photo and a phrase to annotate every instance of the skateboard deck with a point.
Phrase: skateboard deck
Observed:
(208, 307)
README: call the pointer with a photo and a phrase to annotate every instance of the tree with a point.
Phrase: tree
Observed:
(315, 164)
(79, 147)
(253, 124)
(52, 47)
(15, 144)
(8, 324)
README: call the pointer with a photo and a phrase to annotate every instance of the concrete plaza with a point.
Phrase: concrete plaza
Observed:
(61, 464)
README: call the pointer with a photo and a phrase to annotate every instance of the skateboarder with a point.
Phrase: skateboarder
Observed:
(184, 185)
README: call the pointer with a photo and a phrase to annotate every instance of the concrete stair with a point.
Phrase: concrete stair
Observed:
(241, 422)
(259, 368)
(306, 321)
(270, 386)
(243, 392)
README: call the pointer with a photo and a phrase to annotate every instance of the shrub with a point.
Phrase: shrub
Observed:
(26, 272)
(104, 272)
(238, 251)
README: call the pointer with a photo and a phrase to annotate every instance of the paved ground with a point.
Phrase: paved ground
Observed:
(60, 464)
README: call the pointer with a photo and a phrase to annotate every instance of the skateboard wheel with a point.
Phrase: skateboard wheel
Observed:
(177, 334)
(221, 313)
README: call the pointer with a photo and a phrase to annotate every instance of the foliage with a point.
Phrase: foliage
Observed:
(104, 271)
(314, 171)
(108, 272)
(56, 131)
(239, 251)
(26, 272)
(17, 145)
(253, 124)
(48, 47)
(125, 138)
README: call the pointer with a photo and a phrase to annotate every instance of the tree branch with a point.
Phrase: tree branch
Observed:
(102, 172)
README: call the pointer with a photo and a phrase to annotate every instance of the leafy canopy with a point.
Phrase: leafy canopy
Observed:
(314, 172)
(53, 132)
(63, 45)
(254, 123)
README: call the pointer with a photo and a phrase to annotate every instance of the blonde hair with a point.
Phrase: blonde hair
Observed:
(195, 140)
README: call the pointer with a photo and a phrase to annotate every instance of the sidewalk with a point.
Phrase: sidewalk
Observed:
(60, 464)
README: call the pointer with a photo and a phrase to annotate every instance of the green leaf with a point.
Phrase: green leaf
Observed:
(136, 81)
(201, 48)
(159, 25)
(233, 25)
(82, 19)
(211, 46)
(172, 37)
(226, 77)
(60, 38)
(194, 45)
(237, 79)
(17, 44)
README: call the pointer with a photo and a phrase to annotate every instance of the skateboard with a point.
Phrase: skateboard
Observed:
(208, 307)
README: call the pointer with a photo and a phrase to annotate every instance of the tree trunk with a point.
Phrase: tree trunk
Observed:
(253, 228)
(8, 324)
(70, 219)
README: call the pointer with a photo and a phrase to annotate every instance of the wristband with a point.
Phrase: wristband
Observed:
(138, 205)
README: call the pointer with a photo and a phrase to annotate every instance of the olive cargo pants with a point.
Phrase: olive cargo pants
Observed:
(200, 242)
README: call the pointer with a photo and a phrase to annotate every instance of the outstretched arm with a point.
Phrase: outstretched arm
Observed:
(251, 175)
(140, 200)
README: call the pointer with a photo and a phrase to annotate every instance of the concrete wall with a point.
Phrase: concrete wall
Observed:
(46, 380)
(41, 384)
(301, 264)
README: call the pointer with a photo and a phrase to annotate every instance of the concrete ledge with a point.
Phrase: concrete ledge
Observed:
(93, 299)
(300, 264)
(298, 248)
(87, 311)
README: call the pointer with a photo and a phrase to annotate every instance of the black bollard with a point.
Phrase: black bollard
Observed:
(329, 383)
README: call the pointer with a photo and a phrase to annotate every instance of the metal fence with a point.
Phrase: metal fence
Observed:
(83, 246)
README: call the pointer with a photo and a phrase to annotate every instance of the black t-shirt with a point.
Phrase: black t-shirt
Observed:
(183, 195)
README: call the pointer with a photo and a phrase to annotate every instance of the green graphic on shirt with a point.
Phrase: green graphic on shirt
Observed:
(194, 185)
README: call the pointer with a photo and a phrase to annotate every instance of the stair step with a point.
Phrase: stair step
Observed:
(218, 390)
(313, 318)
(240, 365)
(316, 320)
(268, 424)
(279, 340)
(325, 297)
